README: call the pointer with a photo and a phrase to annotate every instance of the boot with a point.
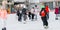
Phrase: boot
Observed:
(56, 18)
(4, 28)
(46, 27)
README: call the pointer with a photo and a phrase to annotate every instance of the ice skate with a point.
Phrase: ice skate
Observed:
(4, 28)
(46, 27)
(24, 22)
(56, 18)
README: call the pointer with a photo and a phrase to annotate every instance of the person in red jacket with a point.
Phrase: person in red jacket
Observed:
(56, 12)
(43, 14)
(47, 10)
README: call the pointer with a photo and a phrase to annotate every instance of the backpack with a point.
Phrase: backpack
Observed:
(43, 13)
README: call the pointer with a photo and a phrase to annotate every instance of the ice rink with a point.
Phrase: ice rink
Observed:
(13, 24)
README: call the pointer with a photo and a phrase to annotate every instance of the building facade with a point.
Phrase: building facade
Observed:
(50, 3)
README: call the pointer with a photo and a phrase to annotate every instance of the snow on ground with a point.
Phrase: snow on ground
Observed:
(13, 24)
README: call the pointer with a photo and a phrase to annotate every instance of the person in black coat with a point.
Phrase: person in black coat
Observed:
(24, 13)
(19, 14)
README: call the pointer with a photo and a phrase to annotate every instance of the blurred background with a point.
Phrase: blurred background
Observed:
(17, 4)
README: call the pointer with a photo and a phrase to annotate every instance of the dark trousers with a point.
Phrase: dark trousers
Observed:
(32, 16)
(29, 15)
(44, 19)
(47, 16)
(20, 17)
(24, 16)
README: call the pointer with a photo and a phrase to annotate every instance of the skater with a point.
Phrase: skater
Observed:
(43, 14)
(36, 11)
(56, 12)
(47, 10)
(19, 14)
(32, 13)
(3, 14)
(24, 14)
(29, 14)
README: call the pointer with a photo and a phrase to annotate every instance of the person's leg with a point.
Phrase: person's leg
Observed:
(20, 17)
(45, 20)
(18, 14)
(42, 18)
(32, 17)
(3, 24)
(35, 17)
(56, 17)
(25, 17)
(47, 15)
(45, 23)
(29, 15)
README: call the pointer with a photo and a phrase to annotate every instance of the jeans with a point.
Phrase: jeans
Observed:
(47, 16)
(36, 17)
(33, 16)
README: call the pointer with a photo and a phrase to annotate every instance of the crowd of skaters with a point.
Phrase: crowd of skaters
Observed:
(32, 14)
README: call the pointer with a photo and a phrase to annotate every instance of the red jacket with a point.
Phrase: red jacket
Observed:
(47, 9)
(56, 10)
